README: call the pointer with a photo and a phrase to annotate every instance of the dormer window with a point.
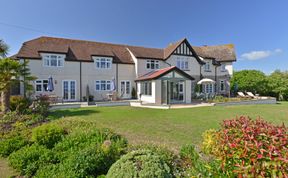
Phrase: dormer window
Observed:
(152, 64)
(207, 67)
(103, 63)
(53, 60)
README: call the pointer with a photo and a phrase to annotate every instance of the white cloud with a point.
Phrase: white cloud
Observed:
(255, 55)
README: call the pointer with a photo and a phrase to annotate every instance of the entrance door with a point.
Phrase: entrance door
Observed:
(125, 87)
(176, 92)
(69, 90)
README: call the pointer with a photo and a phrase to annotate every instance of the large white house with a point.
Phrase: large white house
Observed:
(160, 76)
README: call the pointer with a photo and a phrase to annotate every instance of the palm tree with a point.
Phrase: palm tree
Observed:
(11, 71)
(3, 49)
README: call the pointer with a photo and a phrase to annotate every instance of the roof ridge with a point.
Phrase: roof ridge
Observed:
(90, 41)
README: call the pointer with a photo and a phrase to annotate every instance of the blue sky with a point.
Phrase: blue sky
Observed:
(258, 28)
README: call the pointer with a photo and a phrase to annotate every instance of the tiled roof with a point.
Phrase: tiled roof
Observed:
(80, 50)
(160, 72)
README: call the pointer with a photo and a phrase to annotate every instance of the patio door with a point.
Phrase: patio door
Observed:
(177, 92)
(69, 90)
(125, 87)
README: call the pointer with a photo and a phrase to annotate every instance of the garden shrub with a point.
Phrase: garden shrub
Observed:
(210, 138)
(29, 158)
(85, 154)
(7, 146)
(47, 135)
(41, 105)
(254, 148)
(19, 104)
(194, 164)
(140, 163)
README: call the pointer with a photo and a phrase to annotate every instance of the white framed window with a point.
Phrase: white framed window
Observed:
(182, 64)
(53, 60)
(222, 85)
(152, 64)
(41, 85)
(146, 88)
(208, 88)
(223, 67)
(103, 85)
(207, 67)
(103, 63)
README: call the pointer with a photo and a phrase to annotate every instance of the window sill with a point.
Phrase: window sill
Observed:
(207, 71)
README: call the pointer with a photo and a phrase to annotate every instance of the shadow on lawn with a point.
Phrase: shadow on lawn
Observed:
(70, 113)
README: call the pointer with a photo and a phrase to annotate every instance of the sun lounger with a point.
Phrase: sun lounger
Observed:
(242, 95)
(251, 95)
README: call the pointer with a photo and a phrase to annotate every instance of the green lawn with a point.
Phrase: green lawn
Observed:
(171, 128)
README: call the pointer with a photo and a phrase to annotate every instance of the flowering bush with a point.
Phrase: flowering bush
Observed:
(252, 147)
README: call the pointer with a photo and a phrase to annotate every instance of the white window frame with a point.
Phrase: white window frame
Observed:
(103, 62)
(182, 63)
(207, 67)
(155, 63)
(208, 88)
(105, 83)
(47, 60)
(41, 82)
(146, 88)
(224, 87)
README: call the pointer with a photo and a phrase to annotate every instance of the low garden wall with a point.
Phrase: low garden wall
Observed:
(249, 102)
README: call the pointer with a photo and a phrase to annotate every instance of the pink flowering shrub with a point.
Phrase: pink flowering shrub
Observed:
(254, 148)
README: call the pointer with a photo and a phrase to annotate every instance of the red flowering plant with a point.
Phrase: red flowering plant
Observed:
(254, 148)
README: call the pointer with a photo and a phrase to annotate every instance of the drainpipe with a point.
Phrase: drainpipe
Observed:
(80, 67)
(216, 79)
(117, 74)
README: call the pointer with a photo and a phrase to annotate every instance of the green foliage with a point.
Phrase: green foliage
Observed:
(41, 105)
(193, 164)
(140, 163)
(47, 135)
(91, 98)
(19, 104)
(250, 80)
(210, 138)
(134, 93)
(10, 73)
(7, 146)
(86, 154)
(252, 148)
(278, 85)
(3, 49)
(29, 158)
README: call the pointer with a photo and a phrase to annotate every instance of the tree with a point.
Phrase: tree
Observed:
(278, 84)
(250, 80)
(3, 49)
(11, 72)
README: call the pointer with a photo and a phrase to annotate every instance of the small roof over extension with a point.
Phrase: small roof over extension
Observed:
(161, 72)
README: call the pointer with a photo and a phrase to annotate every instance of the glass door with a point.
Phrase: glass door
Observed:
(69, 90)
(176, 92)
(125, 87)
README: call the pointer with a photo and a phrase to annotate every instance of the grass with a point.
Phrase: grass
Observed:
(170, 128)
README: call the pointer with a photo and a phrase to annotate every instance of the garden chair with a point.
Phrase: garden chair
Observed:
(251, 95)
(242, 95)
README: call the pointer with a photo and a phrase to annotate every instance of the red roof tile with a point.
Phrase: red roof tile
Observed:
(160, 72)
